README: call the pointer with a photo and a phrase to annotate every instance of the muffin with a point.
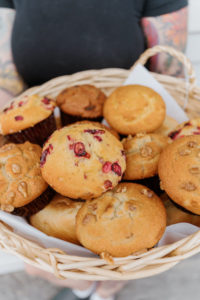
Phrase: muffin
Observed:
(168, 125)
(122, 221)
(132, 109)
(179, 172)
(82, 161)
(29, 118)
(80, 102)
(142, 154)
(177, 215)
(191, 127)
(23, 190)
(58, 218)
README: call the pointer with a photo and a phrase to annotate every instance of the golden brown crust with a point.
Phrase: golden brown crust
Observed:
(103, 126)
(24, 113)
(20, 175)
(82, 161)
(179, 171)
(191, 127)
(122, 221)
(85, 101)
(134, 108)
(168, 125)
(58, 218)
(142, 155)
(176, 215)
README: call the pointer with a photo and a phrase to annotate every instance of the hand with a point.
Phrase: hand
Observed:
(69, 283)
(105, 289)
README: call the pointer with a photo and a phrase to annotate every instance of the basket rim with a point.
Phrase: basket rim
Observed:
(65, 266)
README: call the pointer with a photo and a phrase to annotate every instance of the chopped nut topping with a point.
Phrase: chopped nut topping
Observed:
(7, 207)
(92, 206)
(124, 189)
(22, 188)
(10, 197)
(194, 170)
(146, 151)
(140, 134)
(147, 193)
(16, 168)
(192, 144)
(131, 206)
(188, 186)
(88, 218)
(184, 152)
(161, 186)
(6, 148)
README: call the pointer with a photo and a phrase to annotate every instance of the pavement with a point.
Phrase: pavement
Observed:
(179, 283)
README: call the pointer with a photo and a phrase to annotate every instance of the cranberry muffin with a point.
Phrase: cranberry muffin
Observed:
(23, 190)
(122, 221)
(191, 127)
(133, 109)
(82, 161)
(29, 118)
(58, 218)
(81, 102)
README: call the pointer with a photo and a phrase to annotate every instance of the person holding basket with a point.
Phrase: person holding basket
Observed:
(40, 40)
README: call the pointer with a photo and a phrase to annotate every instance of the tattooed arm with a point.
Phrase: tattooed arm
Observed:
(169, 29)
(10, 82)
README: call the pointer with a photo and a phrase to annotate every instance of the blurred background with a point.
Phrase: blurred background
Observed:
(179, 283)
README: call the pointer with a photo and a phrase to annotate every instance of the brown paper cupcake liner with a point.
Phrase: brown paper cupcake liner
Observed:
(36, 205)
(37, 134)
(69, 119)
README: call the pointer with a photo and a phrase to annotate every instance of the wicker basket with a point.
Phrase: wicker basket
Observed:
(138, 265)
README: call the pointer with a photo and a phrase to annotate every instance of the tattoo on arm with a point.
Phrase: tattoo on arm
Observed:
(171, 30)
(10, 81)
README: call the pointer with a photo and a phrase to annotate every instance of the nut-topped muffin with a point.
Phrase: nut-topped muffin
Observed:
(179, 172)
(21, 179)
(122, 221)
(80, 102)
(29, 118)
(142, 154)
(58, 218)
(133, 109)
(82, 161)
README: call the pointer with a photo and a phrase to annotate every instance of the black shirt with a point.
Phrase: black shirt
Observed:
(52, 38)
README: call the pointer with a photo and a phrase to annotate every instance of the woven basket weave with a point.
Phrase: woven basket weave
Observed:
(139, 265)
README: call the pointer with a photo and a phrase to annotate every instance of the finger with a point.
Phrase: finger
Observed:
(108, 289)
(70, 283)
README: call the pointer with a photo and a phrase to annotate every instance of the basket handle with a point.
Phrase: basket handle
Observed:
(173, 52)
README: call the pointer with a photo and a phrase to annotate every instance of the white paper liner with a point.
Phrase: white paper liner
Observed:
(173, 233)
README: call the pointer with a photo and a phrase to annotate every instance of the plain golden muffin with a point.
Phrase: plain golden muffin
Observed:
(85, 101)
(134, 108)
(25, 112)
(179, 172)
(142, 154)
(58, 218)
(20, 175)
(82, 161)
(191, 127)
(122, 221)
